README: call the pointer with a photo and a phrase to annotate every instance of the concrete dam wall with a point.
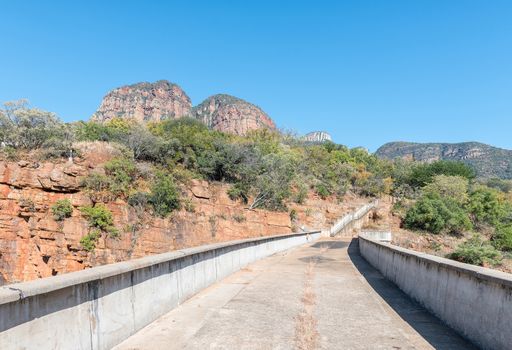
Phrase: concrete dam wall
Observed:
(475, 301)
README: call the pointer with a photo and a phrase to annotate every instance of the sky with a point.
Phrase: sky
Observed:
(368, 72)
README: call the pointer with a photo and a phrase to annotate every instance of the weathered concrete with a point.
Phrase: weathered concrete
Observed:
(100, 307)
(321, 296)
(475, 301)
(351, 221)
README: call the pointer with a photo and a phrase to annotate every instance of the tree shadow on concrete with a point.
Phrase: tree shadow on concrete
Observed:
(431, 328)
(334, 244)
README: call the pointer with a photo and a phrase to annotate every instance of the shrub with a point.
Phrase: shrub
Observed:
(322, 191)
(502, 238)
(99, 217)
(476, 251)
(189, 206)
(423, 174)
(486, 205)
(96, 182)
(89, 241)
(301, 194)
(138, 200)
(62, 209)
(239, 217)
(239, 191)
(122, 173)
(454, 187)
(433, 214)
(164, 196)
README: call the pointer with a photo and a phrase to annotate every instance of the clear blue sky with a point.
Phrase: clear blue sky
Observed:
(368, 72)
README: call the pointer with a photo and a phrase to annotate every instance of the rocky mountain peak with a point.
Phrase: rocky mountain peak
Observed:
(231, 114)
(317, 136)
(145, 102)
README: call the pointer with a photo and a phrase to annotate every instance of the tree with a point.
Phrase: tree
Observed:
(435, 214)
(423, 174)
(487, 206)
(272, 185)
(454, 187)
(30, 128)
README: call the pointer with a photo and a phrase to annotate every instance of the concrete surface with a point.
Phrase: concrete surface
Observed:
(320, 296)
(475, 301)
(100, 307)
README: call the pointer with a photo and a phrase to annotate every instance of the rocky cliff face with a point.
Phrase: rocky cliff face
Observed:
(231, 114)
(164, 100)
(34, 245)
(317, 136)
(487, 161)
(145, 102)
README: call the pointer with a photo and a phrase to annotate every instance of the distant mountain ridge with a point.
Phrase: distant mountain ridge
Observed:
(488, 161)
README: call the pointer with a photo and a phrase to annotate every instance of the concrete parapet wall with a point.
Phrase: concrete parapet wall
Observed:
(475, 301)
(350, 220)
(100, 307)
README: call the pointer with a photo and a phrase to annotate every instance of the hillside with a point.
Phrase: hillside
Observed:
(488, 161)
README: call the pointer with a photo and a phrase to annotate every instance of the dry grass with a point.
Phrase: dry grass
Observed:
(306, 333)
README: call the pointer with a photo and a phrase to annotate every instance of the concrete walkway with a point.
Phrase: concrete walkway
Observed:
(320, 296)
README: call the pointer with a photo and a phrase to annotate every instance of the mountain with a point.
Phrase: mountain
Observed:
(145, 102)
(488, 161)
(165, 100)
(231, 114)
(317, 136)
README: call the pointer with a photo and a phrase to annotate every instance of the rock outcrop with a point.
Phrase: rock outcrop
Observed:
(488, 161)
(317, 136)
(34, 245)
(231, 114)
(145, 102)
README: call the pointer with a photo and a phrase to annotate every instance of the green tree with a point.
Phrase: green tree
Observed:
(435, 214)
(453, 187)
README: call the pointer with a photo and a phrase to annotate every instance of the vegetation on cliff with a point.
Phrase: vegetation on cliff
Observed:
(155, 161)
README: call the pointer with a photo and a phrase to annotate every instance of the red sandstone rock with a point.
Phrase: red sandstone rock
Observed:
(145, 102)
(233, 115)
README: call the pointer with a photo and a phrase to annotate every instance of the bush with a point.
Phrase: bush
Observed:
(487, 206)
(453, 187)
(89, 241)
(138, 200)
(476, 251)
(502, 238)
(435, 215)
(62, 209)
(322, 191)
(164, 196)
(293, 215)
(99, 217)
(239, 217)
(122, 172)
(423, 174)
